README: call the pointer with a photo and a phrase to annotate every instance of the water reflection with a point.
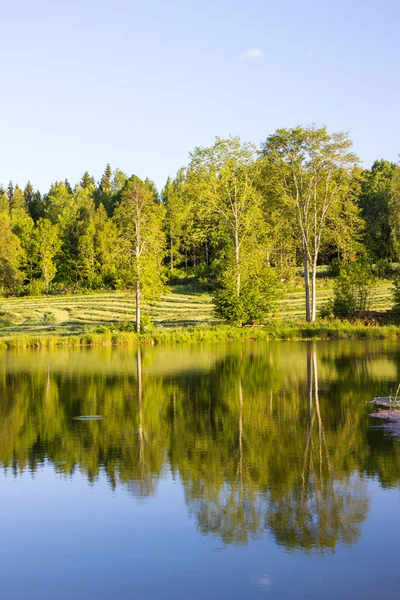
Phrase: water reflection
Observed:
(272, 438)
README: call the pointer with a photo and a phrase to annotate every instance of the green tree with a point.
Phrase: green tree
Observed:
(87, 181)
(11, 256)
(48, 244)
(374, 201)
(223, 177)
(311, 172)
(4, 203)
(142, 241)
(29, 195)
(17, 201)
(394, 212)
(353, 289)
(10, 191)
(22, 225)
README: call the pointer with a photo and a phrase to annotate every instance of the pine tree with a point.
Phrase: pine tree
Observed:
(87, 180)
(29, 194)
(10, 191)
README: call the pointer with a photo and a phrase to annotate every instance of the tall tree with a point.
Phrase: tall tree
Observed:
(10, 191)
(35, 207)
(140, 222)
(48, 243)
(11, 255)
(17, 201)
(178, 209)
(223, 178)
(394, 212)
(374, 202)
(4, 203)
(311, 172)
(87, 180)
(29, 194)
(22, 225)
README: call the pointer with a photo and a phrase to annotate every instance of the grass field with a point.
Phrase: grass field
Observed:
(78, 314)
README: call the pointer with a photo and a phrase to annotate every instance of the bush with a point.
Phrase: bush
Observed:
(254, 305)
(352, 289)
(334, 267)
(384, 269)
(36, 287)
(326, 310)
(396, 295)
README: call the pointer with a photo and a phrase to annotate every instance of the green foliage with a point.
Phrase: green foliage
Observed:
(396, 295)
(139, 220)
(334, 267)
(384, 269)
(48, 243)
(313, 178)
(375, 200)
(11, 257)
(255, 303)
(353, 289)
(36, 287)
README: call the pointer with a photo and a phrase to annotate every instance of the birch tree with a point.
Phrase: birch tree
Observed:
(139, 219)
(311, 172)
(223, 178)
(48, 244)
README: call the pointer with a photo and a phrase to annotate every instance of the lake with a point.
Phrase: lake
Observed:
(226, 471)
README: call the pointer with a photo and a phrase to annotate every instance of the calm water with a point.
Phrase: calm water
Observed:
(223, 471)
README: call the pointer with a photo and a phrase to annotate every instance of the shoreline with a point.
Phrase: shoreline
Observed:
(217, 333)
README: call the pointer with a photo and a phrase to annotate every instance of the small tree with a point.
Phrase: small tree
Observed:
(139, 219)
(353, 289)
(256, 302)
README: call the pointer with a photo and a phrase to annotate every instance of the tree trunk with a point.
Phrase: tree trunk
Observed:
(314, 293)
(307, 285)
(138, 304)
(237, 261)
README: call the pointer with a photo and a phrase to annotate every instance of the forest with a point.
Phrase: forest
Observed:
(239, 220)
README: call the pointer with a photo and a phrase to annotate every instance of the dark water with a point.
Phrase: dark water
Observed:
(224, 471)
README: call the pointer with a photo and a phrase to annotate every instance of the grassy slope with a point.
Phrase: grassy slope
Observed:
(79, 314)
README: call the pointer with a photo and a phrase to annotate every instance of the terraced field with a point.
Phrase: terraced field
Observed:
(70, 315)
(292, 305)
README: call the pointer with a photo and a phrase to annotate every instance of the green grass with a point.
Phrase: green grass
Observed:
(181, 315)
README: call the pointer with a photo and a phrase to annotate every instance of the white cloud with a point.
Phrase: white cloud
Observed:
(253, 53)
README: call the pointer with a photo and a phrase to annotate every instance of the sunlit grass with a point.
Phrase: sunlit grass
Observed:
(181, 315)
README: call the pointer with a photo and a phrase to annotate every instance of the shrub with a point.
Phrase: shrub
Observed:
(326, 310)
(396, 295)
(36, 287)
(384, 269)
(254, 305)
(352, 289)
(334, 266)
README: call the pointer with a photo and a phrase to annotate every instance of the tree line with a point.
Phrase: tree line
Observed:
(237, 218)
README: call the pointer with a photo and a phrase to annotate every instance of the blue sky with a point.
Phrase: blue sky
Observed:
(139, 84)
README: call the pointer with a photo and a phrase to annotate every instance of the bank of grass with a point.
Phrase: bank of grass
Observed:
(218, 333)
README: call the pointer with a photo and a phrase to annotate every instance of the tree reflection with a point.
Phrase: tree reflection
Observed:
(259, 439)
(321, 510)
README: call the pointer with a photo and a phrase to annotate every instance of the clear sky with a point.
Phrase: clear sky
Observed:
(139, 84)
